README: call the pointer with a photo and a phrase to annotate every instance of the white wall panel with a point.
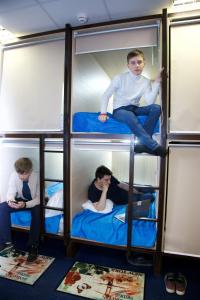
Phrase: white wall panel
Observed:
(184, 84)
(32, 87)
(183, 201)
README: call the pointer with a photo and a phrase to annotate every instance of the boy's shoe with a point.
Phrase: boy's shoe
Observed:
(32, 254)
(170, 282)
(181, 284)
(5, 246)
(160, 151)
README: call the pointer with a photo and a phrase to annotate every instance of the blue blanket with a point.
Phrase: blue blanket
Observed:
(106, 228)
(88, 122)
(23, 218)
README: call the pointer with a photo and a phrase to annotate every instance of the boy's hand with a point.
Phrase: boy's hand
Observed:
(159, 76)
(105, 187)
(103, 117)
(17, 205)
(21, 204)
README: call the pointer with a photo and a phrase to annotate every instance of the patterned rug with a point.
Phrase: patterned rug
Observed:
(97, 282)
(13, 265)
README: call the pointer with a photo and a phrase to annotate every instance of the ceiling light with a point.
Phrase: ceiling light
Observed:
(185, 5)
(6, 36)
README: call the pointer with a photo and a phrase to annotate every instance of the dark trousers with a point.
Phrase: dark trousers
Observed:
(5, 223)
(128, 115)
(122, 197)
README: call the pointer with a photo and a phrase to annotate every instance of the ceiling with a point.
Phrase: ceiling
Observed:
(23, 17)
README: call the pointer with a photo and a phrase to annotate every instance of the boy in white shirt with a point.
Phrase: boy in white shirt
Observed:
(23, 193)
(128, 89)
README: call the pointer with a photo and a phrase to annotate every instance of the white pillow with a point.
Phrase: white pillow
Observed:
(89, 205)
(55, 201)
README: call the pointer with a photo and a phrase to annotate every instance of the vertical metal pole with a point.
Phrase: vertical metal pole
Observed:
(66, 132)
(130, 195)
(158, 256)
(42, 186)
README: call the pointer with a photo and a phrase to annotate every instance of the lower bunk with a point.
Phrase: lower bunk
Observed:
(111, 228)
(53, 224)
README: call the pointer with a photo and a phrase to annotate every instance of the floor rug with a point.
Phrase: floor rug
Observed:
(97, 282)
(13, 265)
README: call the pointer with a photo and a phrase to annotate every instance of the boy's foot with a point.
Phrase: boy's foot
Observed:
(32, 254)
(160, 151)
(142, 149)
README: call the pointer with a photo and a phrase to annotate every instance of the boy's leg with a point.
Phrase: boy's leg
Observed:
(5, 223)
(128, 117)
(35, 226)
(152, 112)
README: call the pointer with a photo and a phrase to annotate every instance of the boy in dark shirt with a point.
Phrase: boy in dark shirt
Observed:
(105, 186)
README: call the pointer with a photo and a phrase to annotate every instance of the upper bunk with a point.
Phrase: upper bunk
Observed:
(98, 55)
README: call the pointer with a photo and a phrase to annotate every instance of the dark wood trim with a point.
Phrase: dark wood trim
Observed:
(130, 194)
(89, 242)
(53, 151)
(53, 180)
(66, 126)
(39, 34)
(53, 208)
(30, 135)
(116, 22)
(54, 236)
(42, 187)
(163, 135)
(94, 243)
(183, 136)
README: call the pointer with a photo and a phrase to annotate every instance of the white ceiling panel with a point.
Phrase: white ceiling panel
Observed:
(135, 8)
(31, 16)
(27, 20)
(8, 5)
(66, 11)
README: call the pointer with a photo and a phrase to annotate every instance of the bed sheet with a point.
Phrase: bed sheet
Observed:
(88, 122)
(106, 228)
(23, 219)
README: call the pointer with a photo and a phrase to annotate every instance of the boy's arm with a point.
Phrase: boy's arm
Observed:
(12, 188)
(101, 204)
(153, 88)
(106, 97)
(151, 92)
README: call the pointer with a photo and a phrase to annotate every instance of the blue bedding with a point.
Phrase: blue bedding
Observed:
(88, 122)
(105, 228)
(23, 218)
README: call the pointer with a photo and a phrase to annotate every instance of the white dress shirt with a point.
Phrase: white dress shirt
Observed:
(15, 188)
(128, 89)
